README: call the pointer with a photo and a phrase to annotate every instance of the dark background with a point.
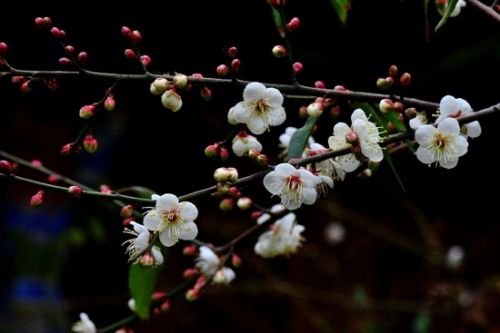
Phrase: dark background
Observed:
(65, 257)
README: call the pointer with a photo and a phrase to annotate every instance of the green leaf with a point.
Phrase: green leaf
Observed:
(388, 158)
(422, 323)
(300, 137)
(446, 16)
(141, 283)
(341, 7)
(278, 21)
(393, 117)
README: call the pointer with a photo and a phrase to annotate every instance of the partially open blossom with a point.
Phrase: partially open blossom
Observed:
(442, 145)
(261, 108)
(84, 325)
(294, 186)
(419, 120)
(140, 243)
(368, 136)
(328, 170)
(337, 141)
(243, 143)
(171, 100)
(457, 107)
(208, 263)
(173, 220)
(283, 238)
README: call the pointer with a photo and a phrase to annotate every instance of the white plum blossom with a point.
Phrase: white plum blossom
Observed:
(327, 170)
(294, 186)
(171, 100)
(368, 136)
(451, 107)
(337, 141)
(243, 143)
(283, 238)
(419, 120)
(275, 209)
(261, 107)
(84, 325)
(208, 263)
(140, 243)
(173, 220)
(442, 145)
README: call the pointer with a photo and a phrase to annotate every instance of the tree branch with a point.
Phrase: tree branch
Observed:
(487, 10)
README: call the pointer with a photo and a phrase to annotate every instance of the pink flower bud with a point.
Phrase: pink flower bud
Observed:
(146, 60)
(59, 34)
(126, 31)
(189, 273)
(405, 79)
(26, 87)
(109, 103)
(37, 199)
(64, 61)
(135, 36)
(53, 179)
(351, 137)
(67, 149)
(105, 189)
(297, 67)
(75, 190)
(222, 70)
(235, 260)
(36, 163)
(126, 211)
(235, 65)
(293, 24)
(165, 306)
(147, 260)
(279, 51)
(223, 154)
(244, 203)
(192, 295)
(335, 112)
(398, 106)
(5, 167)
(90, 144)
(158, 296)
(69, 49)
(40, 22)
(256, 214)
(190, 250)
(82, 57)
(234, 192)
(232, 52)
(303, 111)
(411, 112)
(206, 93)
(87, 111)
(226, 204)
(262, 159)
(393, 71)
(16, 79)
(130, 54)
(211, 150)
(386, 106)
(3, 48)
(320, 84)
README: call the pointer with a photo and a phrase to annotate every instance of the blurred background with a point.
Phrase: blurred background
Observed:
(376, 259)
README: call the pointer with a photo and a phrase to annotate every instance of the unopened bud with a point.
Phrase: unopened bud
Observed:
(5, 167)
(211, 150)
(66, 149)
(222, 70)
(126, 211)
(315, 109)
(158, 296)
(126, 221)
(3, 48)
(87, 111)
(43, 22)
(105, 189)
(393, 71)
(320, 84)
(235, 65)
(135, 36)
(64, 61)
(226, 204)
(165, 306)
(57, 33)
(171, 100)
(398, 106)
(206, 93)
(190, 272)
(17, 79)
(405, 79)
(390, 127)
(26, 87)
(180, 81)
(190, 250)
(82, 57)
(223, 154)
(335, 112)
(159, 86)
(411, 112)
(293, 24)
(386, 106)
(386, 83)
(298, 67)
(126, 31)
(192, 295)
(232, 52)
(234, 192)
(146, 60)
(75, 191)
(351, 137)
(109, 103)
(367, 173)
(279, 51)
(262, 159)
(69, 49)
(130, 54)
(147, 260)
(244, 203)
(303, 111)
(256, 214)
(37, 199)
(235, 260)
(226, 174)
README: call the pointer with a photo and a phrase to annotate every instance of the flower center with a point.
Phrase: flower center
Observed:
(261, 106)
(170, 217)
(294, 183)
(440, 141)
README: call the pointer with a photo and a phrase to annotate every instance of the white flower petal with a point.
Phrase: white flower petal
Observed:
(274, 97)
(426, 155)
(425, 134)
(285, 169)
(263, 218)
(273, 183)
(257, 125)
(188, 211)
(449, 163)
(448, 106)
(208, 255)
(166, 240)
(348, 163)
(464, 106)
(358, 114)
(461, 145)
(141, 243)
(309, 179)
(239, 148)
(254, 91)
(473, 129)
(152, 220)
(240, 114)
(341, 129)
(188, 231)
(231, 118)
(138, 228)
(167, 202)
(309, 196)
(156, 253)
(276, 116)
(373, 152)
(327, 180)
(449, 126)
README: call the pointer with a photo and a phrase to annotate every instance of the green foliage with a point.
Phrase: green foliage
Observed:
(446, 16)
(422, 323)
(141, 283)
(342, 8)
(300, 137)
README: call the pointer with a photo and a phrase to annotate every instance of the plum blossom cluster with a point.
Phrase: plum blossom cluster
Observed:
(283, 238)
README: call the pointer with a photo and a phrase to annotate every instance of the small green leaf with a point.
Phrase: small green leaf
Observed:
(141, 283)
(300, 137)
(278, 21)
(341, 7)
(422, 323)
(393, 117)
(449, 9)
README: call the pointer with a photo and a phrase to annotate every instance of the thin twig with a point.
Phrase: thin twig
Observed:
(487, 10)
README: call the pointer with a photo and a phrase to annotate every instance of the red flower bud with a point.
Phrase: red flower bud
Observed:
(75, 190)
(232, 52)
(37, 199)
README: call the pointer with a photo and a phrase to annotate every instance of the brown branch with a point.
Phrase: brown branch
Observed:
(487, 10)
